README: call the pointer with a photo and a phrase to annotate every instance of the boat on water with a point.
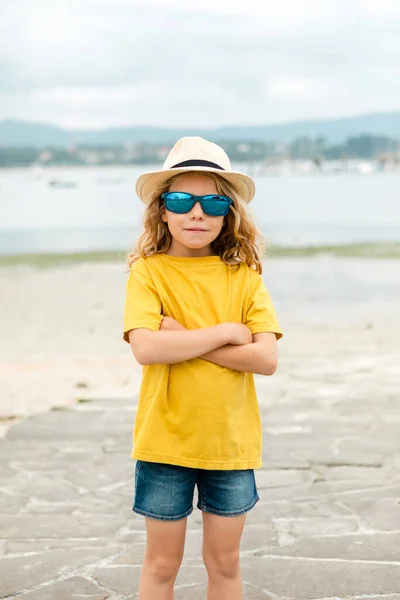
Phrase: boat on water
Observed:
(58, 183)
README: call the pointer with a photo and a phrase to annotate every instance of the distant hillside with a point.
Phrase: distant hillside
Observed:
(21, 133)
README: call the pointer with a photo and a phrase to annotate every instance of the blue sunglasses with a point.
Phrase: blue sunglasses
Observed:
(213, 205)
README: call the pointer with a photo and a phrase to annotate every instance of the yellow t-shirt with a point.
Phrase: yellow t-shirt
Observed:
(196, 413)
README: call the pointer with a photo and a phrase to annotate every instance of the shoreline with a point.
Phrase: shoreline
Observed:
(379, 250)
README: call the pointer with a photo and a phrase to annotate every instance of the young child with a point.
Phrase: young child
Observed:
(200, 320)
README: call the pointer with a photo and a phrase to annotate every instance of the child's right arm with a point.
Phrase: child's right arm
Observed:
(168, 347)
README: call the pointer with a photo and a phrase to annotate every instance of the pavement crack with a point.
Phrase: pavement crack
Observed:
(329, 560)
(267, 593)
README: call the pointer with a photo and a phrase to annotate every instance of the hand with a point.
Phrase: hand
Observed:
(169, 324)
(240, 334)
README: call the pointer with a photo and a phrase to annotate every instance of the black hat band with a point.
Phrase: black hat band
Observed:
(197, 163)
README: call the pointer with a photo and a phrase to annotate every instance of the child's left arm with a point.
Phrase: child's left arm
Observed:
(259, 357)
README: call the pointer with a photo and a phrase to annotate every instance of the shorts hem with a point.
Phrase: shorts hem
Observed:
(233, 513)
(160, 517)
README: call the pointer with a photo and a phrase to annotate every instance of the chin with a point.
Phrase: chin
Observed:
(195, 244)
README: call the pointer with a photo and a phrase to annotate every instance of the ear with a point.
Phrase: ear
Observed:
(164, 216)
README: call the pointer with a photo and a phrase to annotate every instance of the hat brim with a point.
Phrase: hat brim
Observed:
(243, 184)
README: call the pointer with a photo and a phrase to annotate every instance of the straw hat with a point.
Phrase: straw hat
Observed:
(195, 154)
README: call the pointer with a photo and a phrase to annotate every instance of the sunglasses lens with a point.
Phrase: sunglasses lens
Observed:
(178, 206)
(178, 202)
(216, 206)
(178, 196)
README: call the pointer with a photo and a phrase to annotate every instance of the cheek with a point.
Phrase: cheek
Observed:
(218, 223)
(173, 220)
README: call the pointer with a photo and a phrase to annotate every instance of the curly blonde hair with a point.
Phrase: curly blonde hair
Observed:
(238, 241)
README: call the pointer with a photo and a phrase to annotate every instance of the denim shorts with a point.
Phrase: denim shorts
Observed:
(165, 492)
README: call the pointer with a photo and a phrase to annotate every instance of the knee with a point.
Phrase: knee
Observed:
(226, 565)
(164, 569)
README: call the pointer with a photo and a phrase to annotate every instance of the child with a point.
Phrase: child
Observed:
(200, 320)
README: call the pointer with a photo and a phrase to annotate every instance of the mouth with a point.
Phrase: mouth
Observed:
(198, 229)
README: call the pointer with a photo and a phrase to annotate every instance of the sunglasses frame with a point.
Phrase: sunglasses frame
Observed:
(193, 199)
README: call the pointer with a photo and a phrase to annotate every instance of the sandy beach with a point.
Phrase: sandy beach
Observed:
(61, 333)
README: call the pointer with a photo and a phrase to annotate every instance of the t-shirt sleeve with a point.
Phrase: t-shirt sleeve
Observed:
(260, 315)
(142, 303)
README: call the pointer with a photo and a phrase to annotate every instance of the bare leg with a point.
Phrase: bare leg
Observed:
(221, 555)
(163, 556)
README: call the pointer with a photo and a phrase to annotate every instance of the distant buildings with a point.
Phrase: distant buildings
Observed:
(384, 150)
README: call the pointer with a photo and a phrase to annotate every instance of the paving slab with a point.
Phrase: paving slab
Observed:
(30, 570)
(68, 589)
(327, 526)
(309, 579)
(355, 546)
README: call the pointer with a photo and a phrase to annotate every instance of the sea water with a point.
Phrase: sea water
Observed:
(77, 209)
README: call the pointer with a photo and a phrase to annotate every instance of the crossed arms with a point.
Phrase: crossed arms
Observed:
(230, 345)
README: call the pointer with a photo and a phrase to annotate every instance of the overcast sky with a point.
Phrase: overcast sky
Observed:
(98, 63)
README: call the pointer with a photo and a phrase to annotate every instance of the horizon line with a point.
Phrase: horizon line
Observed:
(206, 127)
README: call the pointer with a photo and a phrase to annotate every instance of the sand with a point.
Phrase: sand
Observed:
(61, 332)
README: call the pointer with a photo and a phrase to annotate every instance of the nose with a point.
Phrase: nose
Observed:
(197, 211)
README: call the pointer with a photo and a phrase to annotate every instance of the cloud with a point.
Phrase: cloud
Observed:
(103, 62)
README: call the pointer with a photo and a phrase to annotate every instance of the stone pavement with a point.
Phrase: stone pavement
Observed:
(327, 525)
